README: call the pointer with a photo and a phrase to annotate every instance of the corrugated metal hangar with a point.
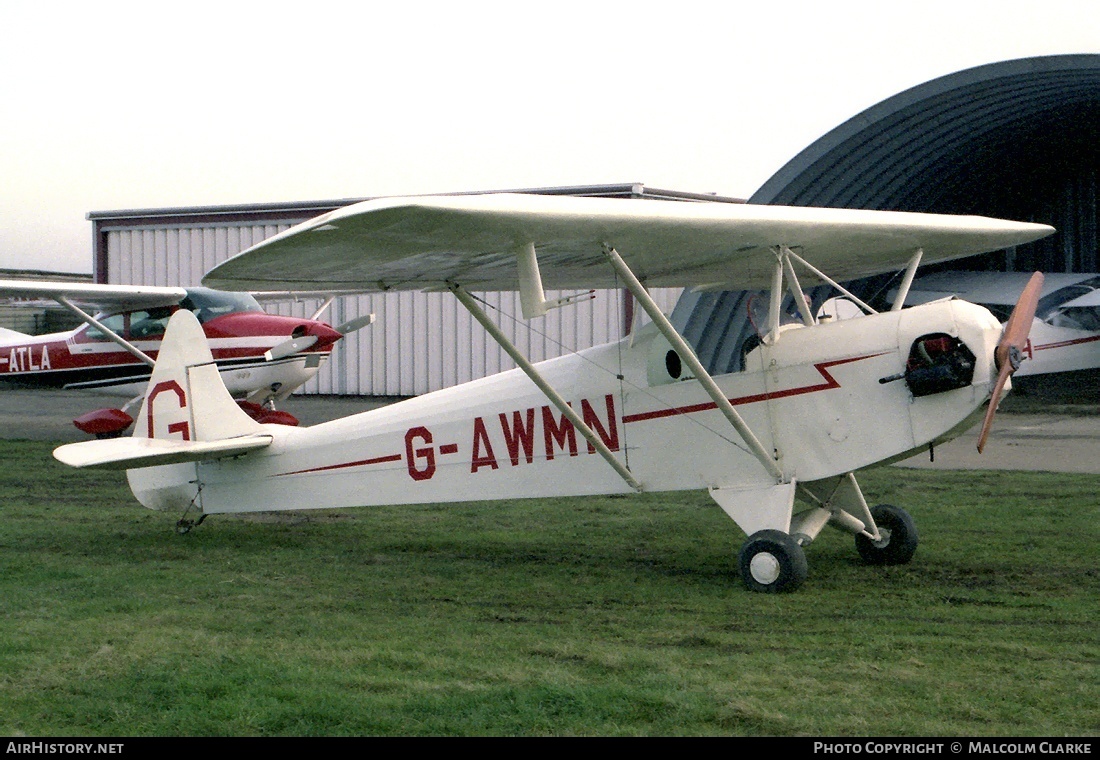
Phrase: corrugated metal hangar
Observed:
(1017, 140)
(420, 342)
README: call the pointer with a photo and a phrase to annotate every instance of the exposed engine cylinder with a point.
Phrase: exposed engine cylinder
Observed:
(938, 363)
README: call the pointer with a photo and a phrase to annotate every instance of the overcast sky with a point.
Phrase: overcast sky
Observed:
(115, 105)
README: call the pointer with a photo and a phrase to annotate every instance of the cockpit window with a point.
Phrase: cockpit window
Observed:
(1076, 318)
(208, 304)
(116, 323)
(1048, 304)
(149, 324)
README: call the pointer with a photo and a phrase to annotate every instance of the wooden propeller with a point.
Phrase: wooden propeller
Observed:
(1009, 351)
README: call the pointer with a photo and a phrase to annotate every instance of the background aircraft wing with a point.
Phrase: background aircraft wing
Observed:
(984, 287)
(104, 297)
(421, 243)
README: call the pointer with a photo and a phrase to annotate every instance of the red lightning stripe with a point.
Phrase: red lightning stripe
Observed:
(823, 368)
(361, 462)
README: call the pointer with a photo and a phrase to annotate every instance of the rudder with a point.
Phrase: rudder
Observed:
(186, 398)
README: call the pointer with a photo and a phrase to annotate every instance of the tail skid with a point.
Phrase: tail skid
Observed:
(187, 414)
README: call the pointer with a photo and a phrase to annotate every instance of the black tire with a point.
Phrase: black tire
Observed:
(771, 562)
(899, 534)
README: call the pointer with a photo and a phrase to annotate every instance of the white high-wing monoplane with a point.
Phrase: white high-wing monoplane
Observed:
(815, 403)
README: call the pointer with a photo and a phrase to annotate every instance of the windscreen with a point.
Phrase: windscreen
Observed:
(208, 304)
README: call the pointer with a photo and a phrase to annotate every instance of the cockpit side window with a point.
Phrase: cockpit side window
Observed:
(149, 324)
(1047, 308)
(115, 322)
(1076, 318)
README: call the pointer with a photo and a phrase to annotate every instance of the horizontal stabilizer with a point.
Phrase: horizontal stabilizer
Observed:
(128, 453)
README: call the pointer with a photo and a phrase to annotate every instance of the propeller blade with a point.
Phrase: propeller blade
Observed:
(288, 347)
(998, 388)
(1008, 353)
(1018, 325)
(354, 324)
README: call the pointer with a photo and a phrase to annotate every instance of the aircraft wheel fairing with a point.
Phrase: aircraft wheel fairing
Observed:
(899, 537)
(772, 561)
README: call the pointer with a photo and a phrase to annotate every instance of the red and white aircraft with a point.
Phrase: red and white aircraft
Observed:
(776, 445)
(263, 357)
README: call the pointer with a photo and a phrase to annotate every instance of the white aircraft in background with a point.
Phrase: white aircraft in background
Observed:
(1065, 335)
(777, 445)
(263, 357)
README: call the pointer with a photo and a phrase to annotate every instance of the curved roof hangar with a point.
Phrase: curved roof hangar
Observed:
(1018, 139)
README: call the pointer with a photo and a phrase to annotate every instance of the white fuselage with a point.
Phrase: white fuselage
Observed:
(814, 399)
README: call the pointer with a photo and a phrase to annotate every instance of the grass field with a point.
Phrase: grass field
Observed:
(598, 616)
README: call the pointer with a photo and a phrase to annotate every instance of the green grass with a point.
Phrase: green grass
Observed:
(595, 616)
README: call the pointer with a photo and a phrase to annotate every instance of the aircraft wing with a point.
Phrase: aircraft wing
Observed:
(422, 243)
(105, 297)
(128, 453)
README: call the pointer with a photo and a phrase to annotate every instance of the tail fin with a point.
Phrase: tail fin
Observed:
(187, 415)
(186, 398)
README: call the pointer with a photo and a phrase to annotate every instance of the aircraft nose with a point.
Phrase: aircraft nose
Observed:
(981, 331)
(326, 335)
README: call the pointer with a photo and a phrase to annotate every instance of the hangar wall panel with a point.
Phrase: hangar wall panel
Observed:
(419, 342)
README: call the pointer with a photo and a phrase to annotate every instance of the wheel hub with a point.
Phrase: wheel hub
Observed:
(764, 568)
(884, 539)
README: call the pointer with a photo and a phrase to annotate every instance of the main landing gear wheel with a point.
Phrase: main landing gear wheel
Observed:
(771, 561)
(899, 537)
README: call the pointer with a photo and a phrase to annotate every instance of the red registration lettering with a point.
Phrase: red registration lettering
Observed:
(414, 457)
(483, 448)
(181, 397)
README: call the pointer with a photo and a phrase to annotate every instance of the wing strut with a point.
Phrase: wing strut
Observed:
(796, 289)
(555, 398)
(907, 280)
(829, 280)
(688, 355)
(532, 298)
(105, 330)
